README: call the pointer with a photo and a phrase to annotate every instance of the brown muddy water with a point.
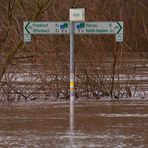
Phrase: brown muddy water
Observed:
(105, 124)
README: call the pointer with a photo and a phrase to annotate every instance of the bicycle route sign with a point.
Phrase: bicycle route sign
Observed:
(45, 28)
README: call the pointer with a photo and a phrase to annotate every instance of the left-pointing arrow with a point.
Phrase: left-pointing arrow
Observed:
(26, 27)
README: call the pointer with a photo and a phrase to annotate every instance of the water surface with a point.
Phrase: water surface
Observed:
(90, 124)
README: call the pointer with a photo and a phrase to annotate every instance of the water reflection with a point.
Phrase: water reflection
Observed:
(71, 134)
(89, 124)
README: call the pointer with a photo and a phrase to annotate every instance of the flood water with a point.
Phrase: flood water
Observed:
(92, 124)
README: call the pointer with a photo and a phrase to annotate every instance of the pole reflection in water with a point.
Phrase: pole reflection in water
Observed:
(71, 133)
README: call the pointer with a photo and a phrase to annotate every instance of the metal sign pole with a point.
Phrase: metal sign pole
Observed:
(72, 76)
(76, 14)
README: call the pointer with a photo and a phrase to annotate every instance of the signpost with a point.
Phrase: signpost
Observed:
(79, 28)
(75, 26)
(100, 28)
(76, 14)
(44, 28)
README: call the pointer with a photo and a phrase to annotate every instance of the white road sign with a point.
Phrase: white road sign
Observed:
(46, 27)
(99, 28)
(79, 28)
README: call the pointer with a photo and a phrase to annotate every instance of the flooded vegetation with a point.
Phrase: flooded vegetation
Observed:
(103, 67)
(94, 124)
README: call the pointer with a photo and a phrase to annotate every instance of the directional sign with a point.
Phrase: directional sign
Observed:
(98, 27)
(46, 27)
(79, 28)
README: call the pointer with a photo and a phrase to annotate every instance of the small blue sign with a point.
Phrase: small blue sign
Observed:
(80, 25)
(63, 26)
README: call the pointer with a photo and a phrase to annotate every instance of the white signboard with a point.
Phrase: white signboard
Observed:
(77, 14)
(46, 27)
(99, 28)
(79, 28)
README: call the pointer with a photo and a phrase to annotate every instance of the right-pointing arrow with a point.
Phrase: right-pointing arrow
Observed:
(120, 27)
